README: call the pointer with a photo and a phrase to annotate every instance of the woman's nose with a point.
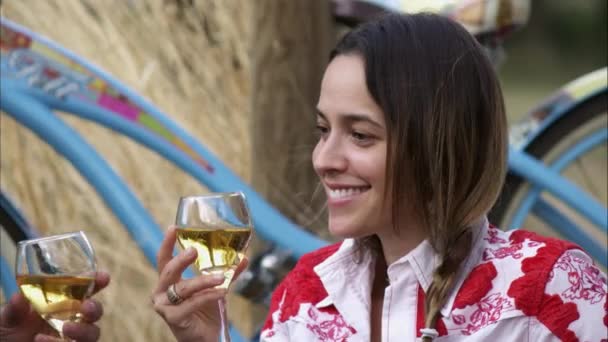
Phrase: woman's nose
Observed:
(329, 156)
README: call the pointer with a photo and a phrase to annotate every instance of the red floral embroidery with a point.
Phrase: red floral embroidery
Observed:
(312, 313)
(586, 280)
(520, 235)
(513, 251)
(528, 291)
(329, 330)
(488, 312)
(606, 312)
(301, 285)
(557, 316)
(493, 236)
(329, 310)
(459, 319)
(476, 285)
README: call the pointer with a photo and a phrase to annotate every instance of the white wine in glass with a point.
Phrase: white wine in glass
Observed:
(219, 227)
(219, 249)
(56, 274)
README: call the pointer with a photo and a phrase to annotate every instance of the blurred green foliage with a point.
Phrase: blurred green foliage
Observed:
(573, 27)
(562, 40)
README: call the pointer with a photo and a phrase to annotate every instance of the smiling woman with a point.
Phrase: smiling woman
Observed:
(412, 155)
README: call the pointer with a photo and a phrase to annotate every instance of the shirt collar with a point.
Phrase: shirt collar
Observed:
(422, 259)
(347, 283)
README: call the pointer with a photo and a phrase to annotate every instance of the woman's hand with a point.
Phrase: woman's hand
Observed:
(196, 317)
(19, 322)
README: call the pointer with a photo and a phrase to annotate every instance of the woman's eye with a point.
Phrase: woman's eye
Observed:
(322, 130)
(360, 137)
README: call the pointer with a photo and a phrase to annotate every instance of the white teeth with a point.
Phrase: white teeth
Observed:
(339, 193)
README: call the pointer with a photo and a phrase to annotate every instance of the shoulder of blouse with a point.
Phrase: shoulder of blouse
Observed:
(300, 285)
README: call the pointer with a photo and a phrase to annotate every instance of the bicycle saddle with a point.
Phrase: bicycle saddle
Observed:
(479, 17)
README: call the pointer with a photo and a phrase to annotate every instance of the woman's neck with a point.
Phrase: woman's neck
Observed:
(396, 245)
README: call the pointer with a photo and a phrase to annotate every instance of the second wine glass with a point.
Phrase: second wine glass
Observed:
(56, 273)
(219, 227)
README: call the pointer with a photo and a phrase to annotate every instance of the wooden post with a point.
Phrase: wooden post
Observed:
(290, 45)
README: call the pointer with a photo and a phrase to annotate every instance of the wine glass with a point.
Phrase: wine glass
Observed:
(56, 273)
(219, 227)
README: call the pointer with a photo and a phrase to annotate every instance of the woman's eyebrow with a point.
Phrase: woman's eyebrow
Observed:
(320, 113)
(353, 117)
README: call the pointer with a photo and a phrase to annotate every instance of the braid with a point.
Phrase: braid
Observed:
(445, 276)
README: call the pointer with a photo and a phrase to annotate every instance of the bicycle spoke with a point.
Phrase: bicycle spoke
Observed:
(587, 179)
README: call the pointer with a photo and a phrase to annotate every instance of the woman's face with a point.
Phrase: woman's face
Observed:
(350, 157)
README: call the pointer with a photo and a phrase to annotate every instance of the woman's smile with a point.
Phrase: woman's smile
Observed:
(339, 195)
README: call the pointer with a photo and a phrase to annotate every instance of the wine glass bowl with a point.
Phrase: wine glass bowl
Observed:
(56, 274)
(218, 226)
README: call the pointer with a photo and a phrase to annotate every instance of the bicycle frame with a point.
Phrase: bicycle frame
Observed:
(39, 76)
(25, 91)
(539, 120)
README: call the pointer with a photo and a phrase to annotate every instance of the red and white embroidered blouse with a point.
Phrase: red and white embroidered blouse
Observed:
(516, 286)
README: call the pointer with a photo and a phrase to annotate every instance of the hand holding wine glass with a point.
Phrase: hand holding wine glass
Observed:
(215, 231)
(39, 270)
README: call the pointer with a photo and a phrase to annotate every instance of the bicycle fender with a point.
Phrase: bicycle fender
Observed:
(556, 105)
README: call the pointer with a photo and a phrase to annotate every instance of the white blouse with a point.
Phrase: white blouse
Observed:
(515, 286)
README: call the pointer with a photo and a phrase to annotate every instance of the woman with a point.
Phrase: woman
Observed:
(412, 155)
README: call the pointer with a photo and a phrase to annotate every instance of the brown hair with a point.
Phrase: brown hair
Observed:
(447, 139)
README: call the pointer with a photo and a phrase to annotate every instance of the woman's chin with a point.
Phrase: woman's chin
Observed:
(344, 230)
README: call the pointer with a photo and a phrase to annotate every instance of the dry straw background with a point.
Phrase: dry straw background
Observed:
(193, 65)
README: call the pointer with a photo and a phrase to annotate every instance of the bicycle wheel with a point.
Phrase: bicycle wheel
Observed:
(13, 228)
(585, 166)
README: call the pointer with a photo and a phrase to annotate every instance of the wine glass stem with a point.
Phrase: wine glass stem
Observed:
(224, 333)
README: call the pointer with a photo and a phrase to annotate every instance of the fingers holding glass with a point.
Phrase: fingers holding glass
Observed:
(186, 289)
(206, 298)
(91, 311)
(56, 274)
(165, 252)
(102, 280)
(171, 273)
(172, 295)
(81, 331)
(15, 311)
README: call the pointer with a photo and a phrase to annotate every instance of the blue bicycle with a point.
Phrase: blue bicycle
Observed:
(552, 156)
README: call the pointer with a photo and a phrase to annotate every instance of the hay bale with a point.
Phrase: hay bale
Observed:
(287, 66)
